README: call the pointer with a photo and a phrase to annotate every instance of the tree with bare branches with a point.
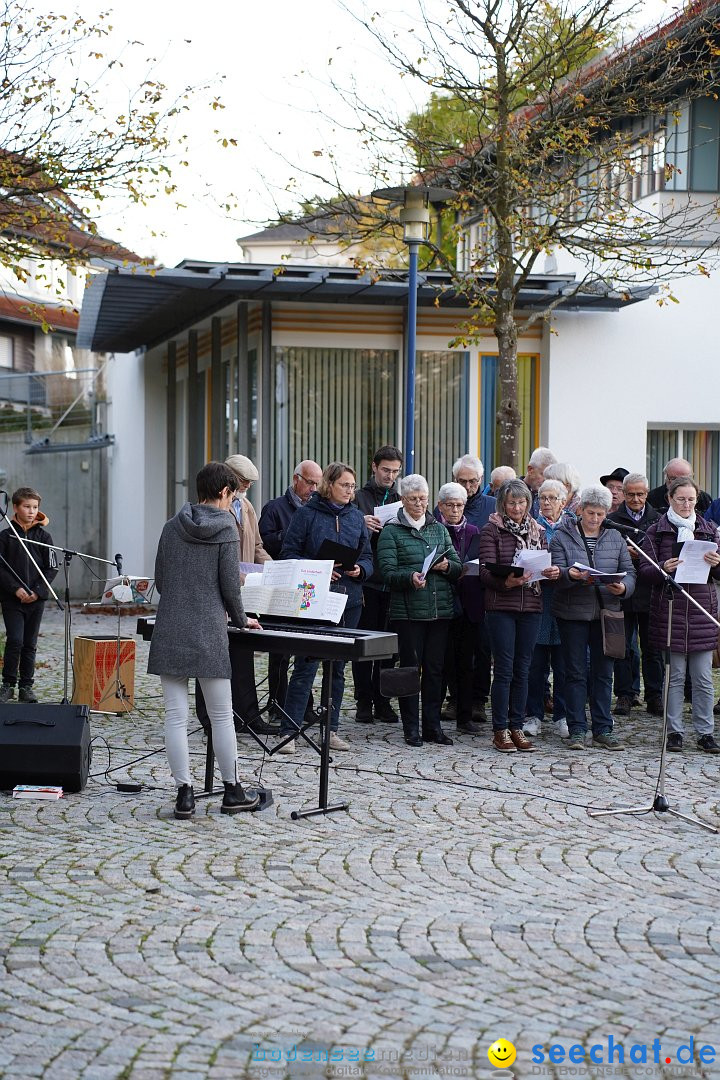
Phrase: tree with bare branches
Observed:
(565, 142)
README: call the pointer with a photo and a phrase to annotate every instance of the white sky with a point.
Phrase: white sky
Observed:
(275, 58)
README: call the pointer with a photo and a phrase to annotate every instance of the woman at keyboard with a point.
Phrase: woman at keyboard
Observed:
(197, 574)
(328, 515)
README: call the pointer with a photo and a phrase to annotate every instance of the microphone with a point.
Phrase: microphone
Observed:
(622, 528)
(118, 563)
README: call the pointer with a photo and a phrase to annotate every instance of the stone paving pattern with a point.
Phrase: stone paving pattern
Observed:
(465, 896)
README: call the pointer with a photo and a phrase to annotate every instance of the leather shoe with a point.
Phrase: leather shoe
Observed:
(503, 742)
(364, 714)
(469, 727)
(385, 712)
(413, 740)
(520, 739)
(185, 802)
(235, 801)
(261, 727)
(438, 737)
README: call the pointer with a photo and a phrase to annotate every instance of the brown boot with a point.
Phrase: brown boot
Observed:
(520, 739)
(503, 742)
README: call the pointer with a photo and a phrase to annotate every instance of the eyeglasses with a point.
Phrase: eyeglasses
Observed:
(516, 502)
(636, 494)
(549, 498)
(453, 505)
(310, 483)
(345, 487)
(415, 498)
(684, 502)
(468, 483)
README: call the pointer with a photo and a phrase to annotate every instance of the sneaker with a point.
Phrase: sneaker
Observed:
(716, 709)
(674, 743)
(7, 691)
(607, 741)
(623, 706)
(385, 712)
(521, 740)
(531, 725)
(563, 731)
(503, 742)
(288, 748)
(364, 714)
(336, 743)
(235, 801)
(576, 741)
(655, 705)
(707, 744)
(27, 694)
(185, 802)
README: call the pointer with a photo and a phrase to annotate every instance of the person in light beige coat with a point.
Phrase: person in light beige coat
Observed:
(251, 545)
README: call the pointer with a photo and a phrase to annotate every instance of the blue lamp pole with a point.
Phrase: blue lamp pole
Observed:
(415, 218)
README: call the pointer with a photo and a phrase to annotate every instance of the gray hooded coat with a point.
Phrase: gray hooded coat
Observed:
(197, 574)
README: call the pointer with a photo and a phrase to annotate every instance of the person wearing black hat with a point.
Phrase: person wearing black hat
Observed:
(614, 483)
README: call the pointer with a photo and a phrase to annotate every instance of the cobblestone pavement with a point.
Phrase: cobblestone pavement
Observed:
(465, 897)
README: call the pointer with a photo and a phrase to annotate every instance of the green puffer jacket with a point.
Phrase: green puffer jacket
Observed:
(401, 551)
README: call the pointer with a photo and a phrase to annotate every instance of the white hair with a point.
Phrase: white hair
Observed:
(596, 495)
(469, 461)
(541, 457)
(501, 475)
(554, 486)
(566, 474)
(635, 478)
(413, 482)
(452, 491)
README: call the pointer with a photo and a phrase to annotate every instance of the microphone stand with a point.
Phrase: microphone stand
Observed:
(660, 803)
(68, 554)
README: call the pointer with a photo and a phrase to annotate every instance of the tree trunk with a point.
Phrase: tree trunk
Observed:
(508, 413)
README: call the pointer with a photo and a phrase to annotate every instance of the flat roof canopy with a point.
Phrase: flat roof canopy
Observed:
(135, 307)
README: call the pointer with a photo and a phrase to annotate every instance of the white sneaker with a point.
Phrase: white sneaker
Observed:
(336, 743)
(288, 748)
(558, 727)
(532, 725)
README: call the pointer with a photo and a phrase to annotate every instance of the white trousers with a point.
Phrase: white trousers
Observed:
(699, 665)
(218, 699)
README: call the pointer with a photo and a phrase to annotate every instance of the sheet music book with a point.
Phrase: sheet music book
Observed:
(128, 589)
(294, 588)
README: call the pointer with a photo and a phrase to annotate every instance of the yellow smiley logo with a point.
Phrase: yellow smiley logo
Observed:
(501, 1054)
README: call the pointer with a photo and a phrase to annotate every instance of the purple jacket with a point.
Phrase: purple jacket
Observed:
(691, 631)
(469, 593)
(497, 545)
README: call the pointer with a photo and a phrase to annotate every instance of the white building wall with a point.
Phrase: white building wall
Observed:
(611, 375)
(136, 474)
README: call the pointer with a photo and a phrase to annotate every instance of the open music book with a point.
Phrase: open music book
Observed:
(294, 588)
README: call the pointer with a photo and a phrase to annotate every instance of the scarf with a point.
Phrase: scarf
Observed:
(527, 534)
(684, 526)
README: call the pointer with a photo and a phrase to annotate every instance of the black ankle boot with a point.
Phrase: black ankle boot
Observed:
(235, 800)
(185, 802)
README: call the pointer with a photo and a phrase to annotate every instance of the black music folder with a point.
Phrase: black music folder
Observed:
(346, 556)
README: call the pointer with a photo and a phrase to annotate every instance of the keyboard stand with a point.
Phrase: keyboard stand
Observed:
(323, 806)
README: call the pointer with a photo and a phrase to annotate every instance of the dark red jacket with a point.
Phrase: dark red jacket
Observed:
(691, 631)
(497, 545)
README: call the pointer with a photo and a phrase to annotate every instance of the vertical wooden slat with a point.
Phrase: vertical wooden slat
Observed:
(171, 428)
(216, 392)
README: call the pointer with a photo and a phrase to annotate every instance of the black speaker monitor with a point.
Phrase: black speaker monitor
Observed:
(45, 744)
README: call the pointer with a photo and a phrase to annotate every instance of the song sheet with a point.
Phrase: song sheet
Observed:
(294, 588)
(533, 562)
(388, 512)
(693, 569)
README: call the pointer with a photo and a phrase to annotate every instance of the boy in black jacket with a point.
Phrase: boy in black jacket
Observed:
(22, 609)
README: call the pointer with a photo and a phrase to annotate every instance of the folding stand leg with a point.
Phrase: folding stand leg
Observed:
(323, 807)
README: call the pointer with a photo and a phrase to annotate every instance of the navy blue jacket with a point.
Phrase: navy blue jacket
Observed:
(275, 517)
(318, 521)
(712, 514)
(478, 509)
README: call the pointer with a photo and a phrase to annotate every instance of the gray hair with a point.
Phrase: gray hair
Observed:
(518, 488)
(565, 473)
(501, 475)
(469, 461)
(635, 478)
(596, 495)
(541, 457)
(452, 491)
(555, 487)
(677, 461)
(413, 482)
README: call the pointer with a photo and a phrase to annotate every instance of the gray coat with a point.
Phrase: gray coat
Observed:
(197, 574)
(575, 599)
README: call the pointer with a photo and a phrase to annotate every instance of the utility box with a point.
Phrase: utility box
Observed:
(102, 682)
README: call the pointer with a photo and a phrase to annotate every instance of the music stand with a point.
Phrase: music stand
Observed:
(660, 803)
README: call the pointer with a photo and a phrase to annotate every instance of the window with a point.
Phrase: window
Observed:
(528, 401)
(693, 146)
(7, 351)
(441, 414)
(700, 446)
(331, 405)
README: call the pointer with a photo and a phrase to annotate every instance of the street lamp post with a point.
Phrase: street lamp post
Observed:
(415, 218)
